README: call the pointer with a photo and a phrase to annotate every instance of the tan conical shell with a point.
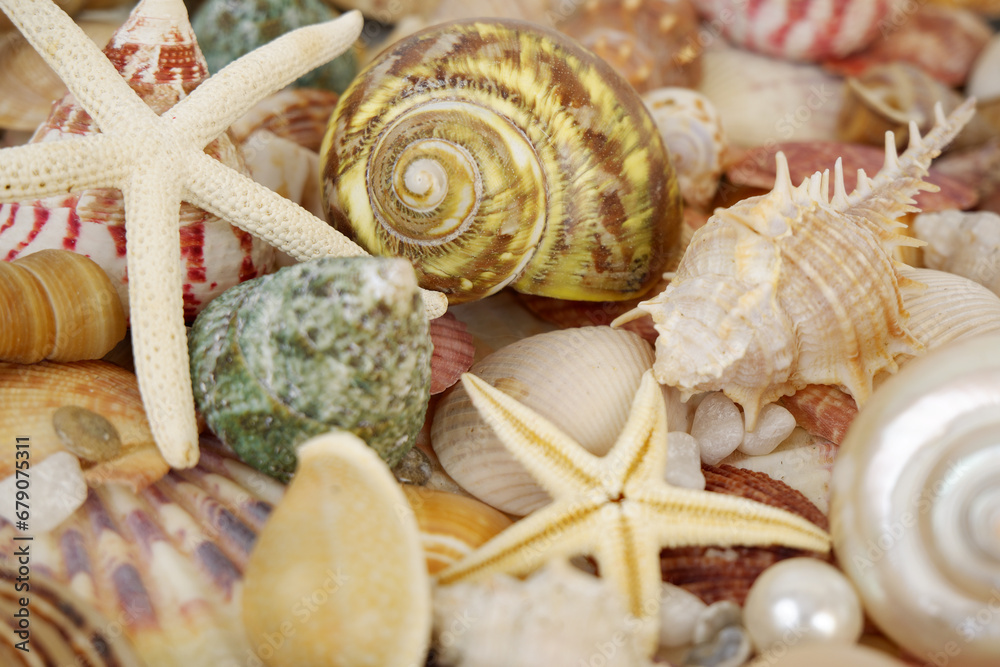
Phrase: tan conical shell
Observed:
(64, 308)
(583, 380)
(31, 394)
(343, 537)
(451, 526)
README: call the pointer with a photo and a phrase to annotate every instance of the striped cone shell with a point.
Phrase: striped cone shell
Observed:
(160, 59)
(808, 30)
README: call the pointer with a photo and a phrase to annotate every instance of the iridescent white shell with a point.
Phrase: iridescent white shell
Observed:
(794, 288)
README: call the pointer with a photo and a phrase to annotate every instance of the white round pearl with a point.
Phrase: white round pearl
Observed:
(800, 601)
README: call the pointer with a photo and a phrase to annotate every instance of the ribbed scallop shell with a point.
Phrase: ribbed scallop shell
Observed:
(31, 394)
(499, 153)
(583, 380)
(692, 132)
(651, 43)
(796, 29)
(164, 566)
(61, 628)
(453, 353)
(793, 288)
(298, 114)
(160, 59)
(62, 307)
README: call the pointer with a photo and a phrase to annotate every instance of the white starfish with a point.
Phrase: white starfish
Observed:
(617, 508)
(158, 161)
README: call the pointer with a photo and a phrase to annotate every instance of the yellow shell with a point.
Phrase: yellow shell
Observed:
(794, 287)
(60, 306)
(495, 153)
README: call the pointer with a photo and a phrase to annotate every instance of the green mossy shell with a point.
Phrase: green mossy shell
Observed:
(334, 343)
(228, 29)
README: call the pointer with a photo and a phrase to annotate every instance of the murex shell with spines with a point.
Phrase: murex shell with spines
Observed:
(794, 288)
(498, 152)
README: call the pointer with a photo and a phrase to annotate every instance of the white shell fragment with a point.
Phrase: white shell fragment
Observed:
(44, 495)
(774, 424)
(684, 461)
(964, 243)
(558, 616)
(718, 427)
(680, 612)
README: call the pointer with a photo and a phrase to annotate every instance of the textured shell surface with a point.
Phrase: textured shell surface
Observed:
(651, 43)
(796, 29)
(159, 57)
(763, 99)
(692, 131)
(329, 343)
(964, 243)
(227, 30)
(64, 306)
(942, 41)
(163, 565)
(794, 287)
(495, 153)
(922, 456)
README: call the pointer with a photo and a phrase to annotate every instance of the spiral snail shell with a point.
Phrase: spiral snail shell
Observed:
(495, 153)
(915, 503)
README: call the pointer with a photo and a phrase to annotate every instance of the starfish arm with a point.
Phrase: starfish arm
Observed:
(88, 74)
(227, 95)
(628, 555)
(58, 167)
(686, 517)
(216, 188)
(157, 321)
(562, 528)
(560, 465)
(640, 452)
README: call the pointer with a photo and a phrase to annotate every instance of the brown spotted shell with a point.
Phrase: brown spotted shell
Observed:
(495, 153)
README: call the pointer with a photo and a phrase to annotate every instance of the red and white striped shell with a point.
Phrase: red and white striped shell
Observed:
(794, 288)
(160, 59)
(808, 30)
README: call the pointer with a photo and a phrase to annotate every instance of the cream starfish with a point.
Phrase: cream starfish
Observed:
(617, 508)
(157, 161)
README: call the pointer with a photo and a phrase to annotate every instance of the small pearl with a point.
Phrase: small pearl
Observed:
(826, 656)
(800, 601)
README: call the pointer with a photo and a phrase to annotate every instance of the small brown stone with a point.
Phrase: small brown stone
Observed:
(87, 434)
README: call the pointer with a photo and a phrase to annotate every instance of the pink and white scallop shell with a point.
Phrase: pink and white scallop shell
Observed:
(808, 30)
(161, 61)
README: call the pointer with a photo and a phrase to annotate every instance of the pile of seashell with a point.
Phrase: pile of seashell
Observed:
(787, 214)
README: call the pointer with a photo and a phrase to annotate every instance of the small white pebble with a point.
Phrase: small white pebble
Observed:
(774, 424)
(684, 461)
(55, 489)
(679, 614)
(717, 426)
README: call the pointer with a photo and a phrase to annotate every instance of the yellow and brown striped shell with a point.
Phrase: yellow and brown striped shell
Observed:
(495, 153)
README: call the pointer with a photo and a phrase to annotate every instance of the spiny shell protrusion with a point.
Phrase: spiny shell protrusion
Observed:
(794, 287)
